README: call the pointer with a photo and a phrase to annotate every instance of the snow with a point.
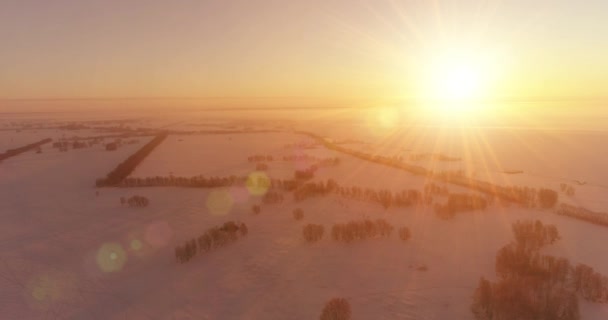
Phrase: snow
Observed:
(53, 226)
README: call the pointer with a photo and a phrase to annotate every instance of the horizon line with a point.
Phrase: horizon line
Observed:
(193, 98)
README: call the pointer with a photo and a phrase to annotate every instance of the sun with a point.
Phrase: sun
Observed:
(455, 78)
(454, 82)
(458, 82)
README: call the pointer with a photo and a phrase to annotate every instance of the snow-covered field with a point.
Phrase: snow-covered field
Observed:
(57, 239)
(219, 155)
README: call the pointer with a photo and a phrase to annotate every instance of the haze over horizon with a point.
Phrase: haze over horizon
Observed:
(325, 50)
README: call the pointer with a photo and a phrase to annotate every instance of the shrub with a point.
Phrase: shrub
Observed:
(313, 232)
(138, 201)
(243, 228)
(298, 214)
(547, 198)
(336, 309)
(404, 233)
(256, 209)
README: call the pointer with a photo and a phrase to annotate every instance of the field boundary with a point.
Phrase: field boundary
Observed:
(15, 152)
(125, 168)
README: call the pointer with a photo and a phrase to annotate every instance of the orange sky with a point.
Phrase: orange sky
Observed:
(330, 50)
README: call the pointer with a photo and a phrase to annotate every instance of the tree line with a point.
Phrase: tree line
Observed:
(301, 157)
(302, 190)
(188, 182)
(213, 238)
(384, 197)
(599, 218)
(460, 202)
(352, 230)
(135, 201)
(125, 168)
(361, 230)
(521, 195)
(17, 151)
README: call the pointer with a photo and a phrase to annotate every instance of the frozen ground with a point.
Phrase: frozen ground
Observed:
(55, 233)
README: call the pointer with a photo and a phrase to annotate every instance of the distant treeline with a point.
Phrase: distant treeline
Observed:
(13, 152)
(124, 169)
(433, 156)
(599, 218)
(384, 197)
(188, 182)
(524, 196)
(110, 136)
(303, 190)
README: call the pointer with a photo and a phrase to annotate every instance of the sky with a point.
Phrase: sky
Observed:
(314, 50)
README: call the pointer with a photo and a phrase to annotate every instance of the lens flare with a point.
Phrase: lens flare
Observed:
(111, 257)
(136, 245)
(258, 183)
(219, 202)
(45, 288)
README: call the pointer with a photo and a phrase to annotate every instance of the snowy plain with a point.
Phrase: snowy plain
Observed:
(55, 231)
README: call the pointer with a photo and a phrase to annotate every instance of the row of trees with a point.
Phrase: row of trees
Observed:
(299, 157)
(361, 230)
(460, 202)
(536, 286)
(384, 197)
(301, 190)
(188, 182)
(599, 218)
(213, 238)
(125, 168)
(135, 201)
(352, 231)
(313, 232)
(13, 152)
(260, 158)
(63, 146)
(432, 156)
